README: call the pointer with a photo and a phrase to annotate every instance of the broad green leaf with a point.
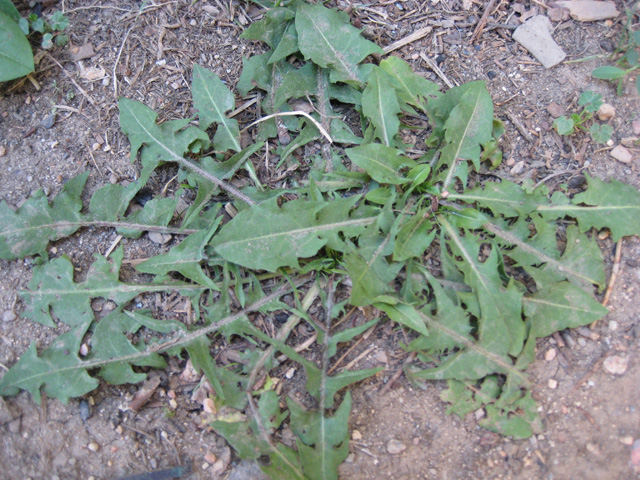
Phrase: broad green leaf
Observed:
(52, 289)
(109, 341)
(564, 125)
(600, 133)
(341, 133)
(518, 421)
(611, 205)
(560, 306)
(590, 100)
(504, 198)
(255, 72)
(449, 317)
(405, 315)
(581, 262)
(381, 163)
(288, 44)
(412, 88)
(229, 386)
(554, 308)
(29, 229)
(469, 125)
(186, 258)
(500, 329)
(163, 143)
(608, 73)
(56, 368)
(271, 28)
(250, 438)
(367, 266)
(380, 105)
(111, 201)
(266, 237)
(16, 58)
(328, 39)
(323, 442)
(472, 363)
(298, 83)
(7, 7)
(63, 374)
(156, 212)
(414, 237)
(212, 99)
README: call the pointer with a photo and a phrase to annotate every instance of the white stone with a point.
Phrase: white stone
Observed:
(535, 36)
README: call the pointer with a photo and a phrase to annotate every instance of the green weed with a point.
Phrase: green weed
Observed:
(473, 272)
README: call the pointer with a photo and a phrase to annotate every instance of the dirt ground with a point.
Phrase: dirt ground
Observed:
(66, 122)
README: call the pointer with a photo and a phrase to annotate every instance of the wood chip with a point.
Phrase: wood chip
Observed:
(143, 395)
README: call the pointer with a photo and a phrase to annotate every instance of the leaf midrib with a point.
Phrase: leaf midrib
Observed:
(299, 231)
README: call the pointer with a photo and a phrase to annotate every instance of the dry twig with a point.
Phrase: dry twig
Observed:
(417, 35)
(483, 21)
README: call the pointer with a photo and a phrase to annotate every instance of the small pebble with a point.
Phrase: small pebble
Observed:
(356, 435)
(14, 425)
(550, 354)
(556, 110)
(606, 112)
(553, 384)
(3, 151)
(616, 365)
(582, 342)
(218, 467)
(626, 440)
(622, 154)
(382, 357)
(209, 406)
(517, 168)
(479, 413)
(48, 120)
(613, 325)
(9, 316)
(159, 238)
(85, 410)
(93, 446)
(593, 448)
(635, 126)
(210, 458)
(394, 447)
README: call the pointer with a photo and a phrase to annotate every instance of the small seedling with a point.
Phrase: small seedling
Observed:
(51, 29)
(590, 103)
(629, 46)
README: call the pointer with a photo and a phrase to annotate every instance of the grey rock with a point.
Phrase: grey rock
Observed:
(394, 447)
(247, 470)
(48, 121)
(535, 36)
